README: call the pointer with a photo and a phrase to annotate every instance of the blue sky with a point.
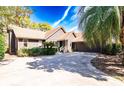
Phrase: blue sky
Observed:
(65, 16)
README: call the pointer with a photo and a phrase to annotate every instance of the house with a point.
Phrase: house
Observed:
(19, 38)
(79, 44)
(24, 38)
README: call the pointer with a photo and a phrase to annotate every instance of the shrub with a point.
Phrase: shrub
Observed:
(49, 44)
(116, 48)
(23, 53)
(2, 46)
(49, 51)
(37, 51)
(112, 49)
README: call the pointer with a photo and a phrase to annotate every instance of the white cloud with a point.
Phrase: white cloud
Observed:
(74, 28)
(75, 15)
(63, 17)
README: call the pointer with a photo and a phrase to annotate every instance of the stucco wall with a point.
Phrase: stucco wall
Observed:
(69, 44)
(29, 44)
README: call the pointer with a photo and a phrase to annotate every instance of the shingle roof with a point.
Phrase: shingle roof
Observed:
(51, 32)
(27, 33)
(79, 34)
(37, 34)
(79, 37)
(66, 36)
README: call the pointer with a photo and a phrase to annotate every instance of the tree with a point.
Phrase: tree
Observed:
(41, 26)
(2, 46)
(22, 16)
(6, 17)
(101, 25)
(34, 25)
(45, 27)
(16, 15)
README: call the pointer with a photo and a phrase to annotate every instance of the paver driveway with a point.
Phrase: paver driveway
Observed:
(61, 69)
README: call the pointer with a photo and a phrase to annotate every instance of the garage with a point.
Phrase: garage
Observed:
(80, 47)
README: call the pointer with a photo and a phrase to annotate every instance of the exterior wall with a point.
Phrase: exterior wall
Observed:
(34, 44)
(69, 43)
(66, 46)
(29, 44)
(56, 35)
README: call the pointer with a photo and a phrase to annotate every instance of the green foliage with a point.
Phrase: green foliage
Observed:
(2, 46)
(112, 49)
(6, 16)
(37, 52)
(22, 16)
(41, 26)
(49, 44)
(49, 51)
(34, 25)
(16, 15)
(23, 52)
(100, 25)
(45, 27)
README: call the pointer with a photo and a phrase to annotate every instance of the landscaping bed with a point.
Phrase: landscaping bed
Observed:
(110, 65)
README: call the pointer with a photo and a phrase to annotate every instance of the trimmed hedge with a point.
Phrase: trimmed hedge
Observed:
(2, 46)
(36, 52)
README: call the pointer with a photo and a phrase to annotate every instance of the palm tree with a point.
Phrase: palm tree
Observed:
(101, 24)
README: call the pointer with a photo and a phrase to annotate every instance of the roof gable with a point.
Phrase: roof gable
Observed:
(79, 37)
(53, 31)
(66, 36)
(79, 34)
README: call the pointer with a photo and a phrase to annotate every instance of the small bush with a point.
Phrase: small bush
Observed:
(2, 46)
(37, 51)
(116, 48)
(112, 49)
(49, 44)
(49, 51)
(23, 53)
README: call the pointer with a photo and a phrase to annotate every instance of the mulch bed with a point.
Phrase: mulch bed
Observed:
(109, 64)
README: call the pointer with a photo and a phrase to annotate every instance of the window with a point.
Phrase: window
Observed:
(20, 39)
(33, 40)
(25, 43)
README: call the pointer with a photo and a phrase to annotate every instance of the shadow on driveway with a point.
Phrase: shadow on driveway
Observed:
(74, 63)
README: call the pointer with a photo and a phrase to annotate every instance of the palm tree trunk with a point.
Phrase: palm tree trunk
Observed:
(122, 37)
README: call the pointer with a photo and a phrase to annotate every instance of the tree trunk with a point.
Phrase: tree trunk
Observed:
(122, 37)
(122, 60)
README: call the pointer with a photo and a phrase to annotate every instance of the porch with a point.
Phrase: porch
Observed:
(63, 45)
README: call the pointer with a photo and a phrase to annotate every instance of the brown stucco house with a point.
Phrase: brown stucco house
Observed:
(19, 38)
